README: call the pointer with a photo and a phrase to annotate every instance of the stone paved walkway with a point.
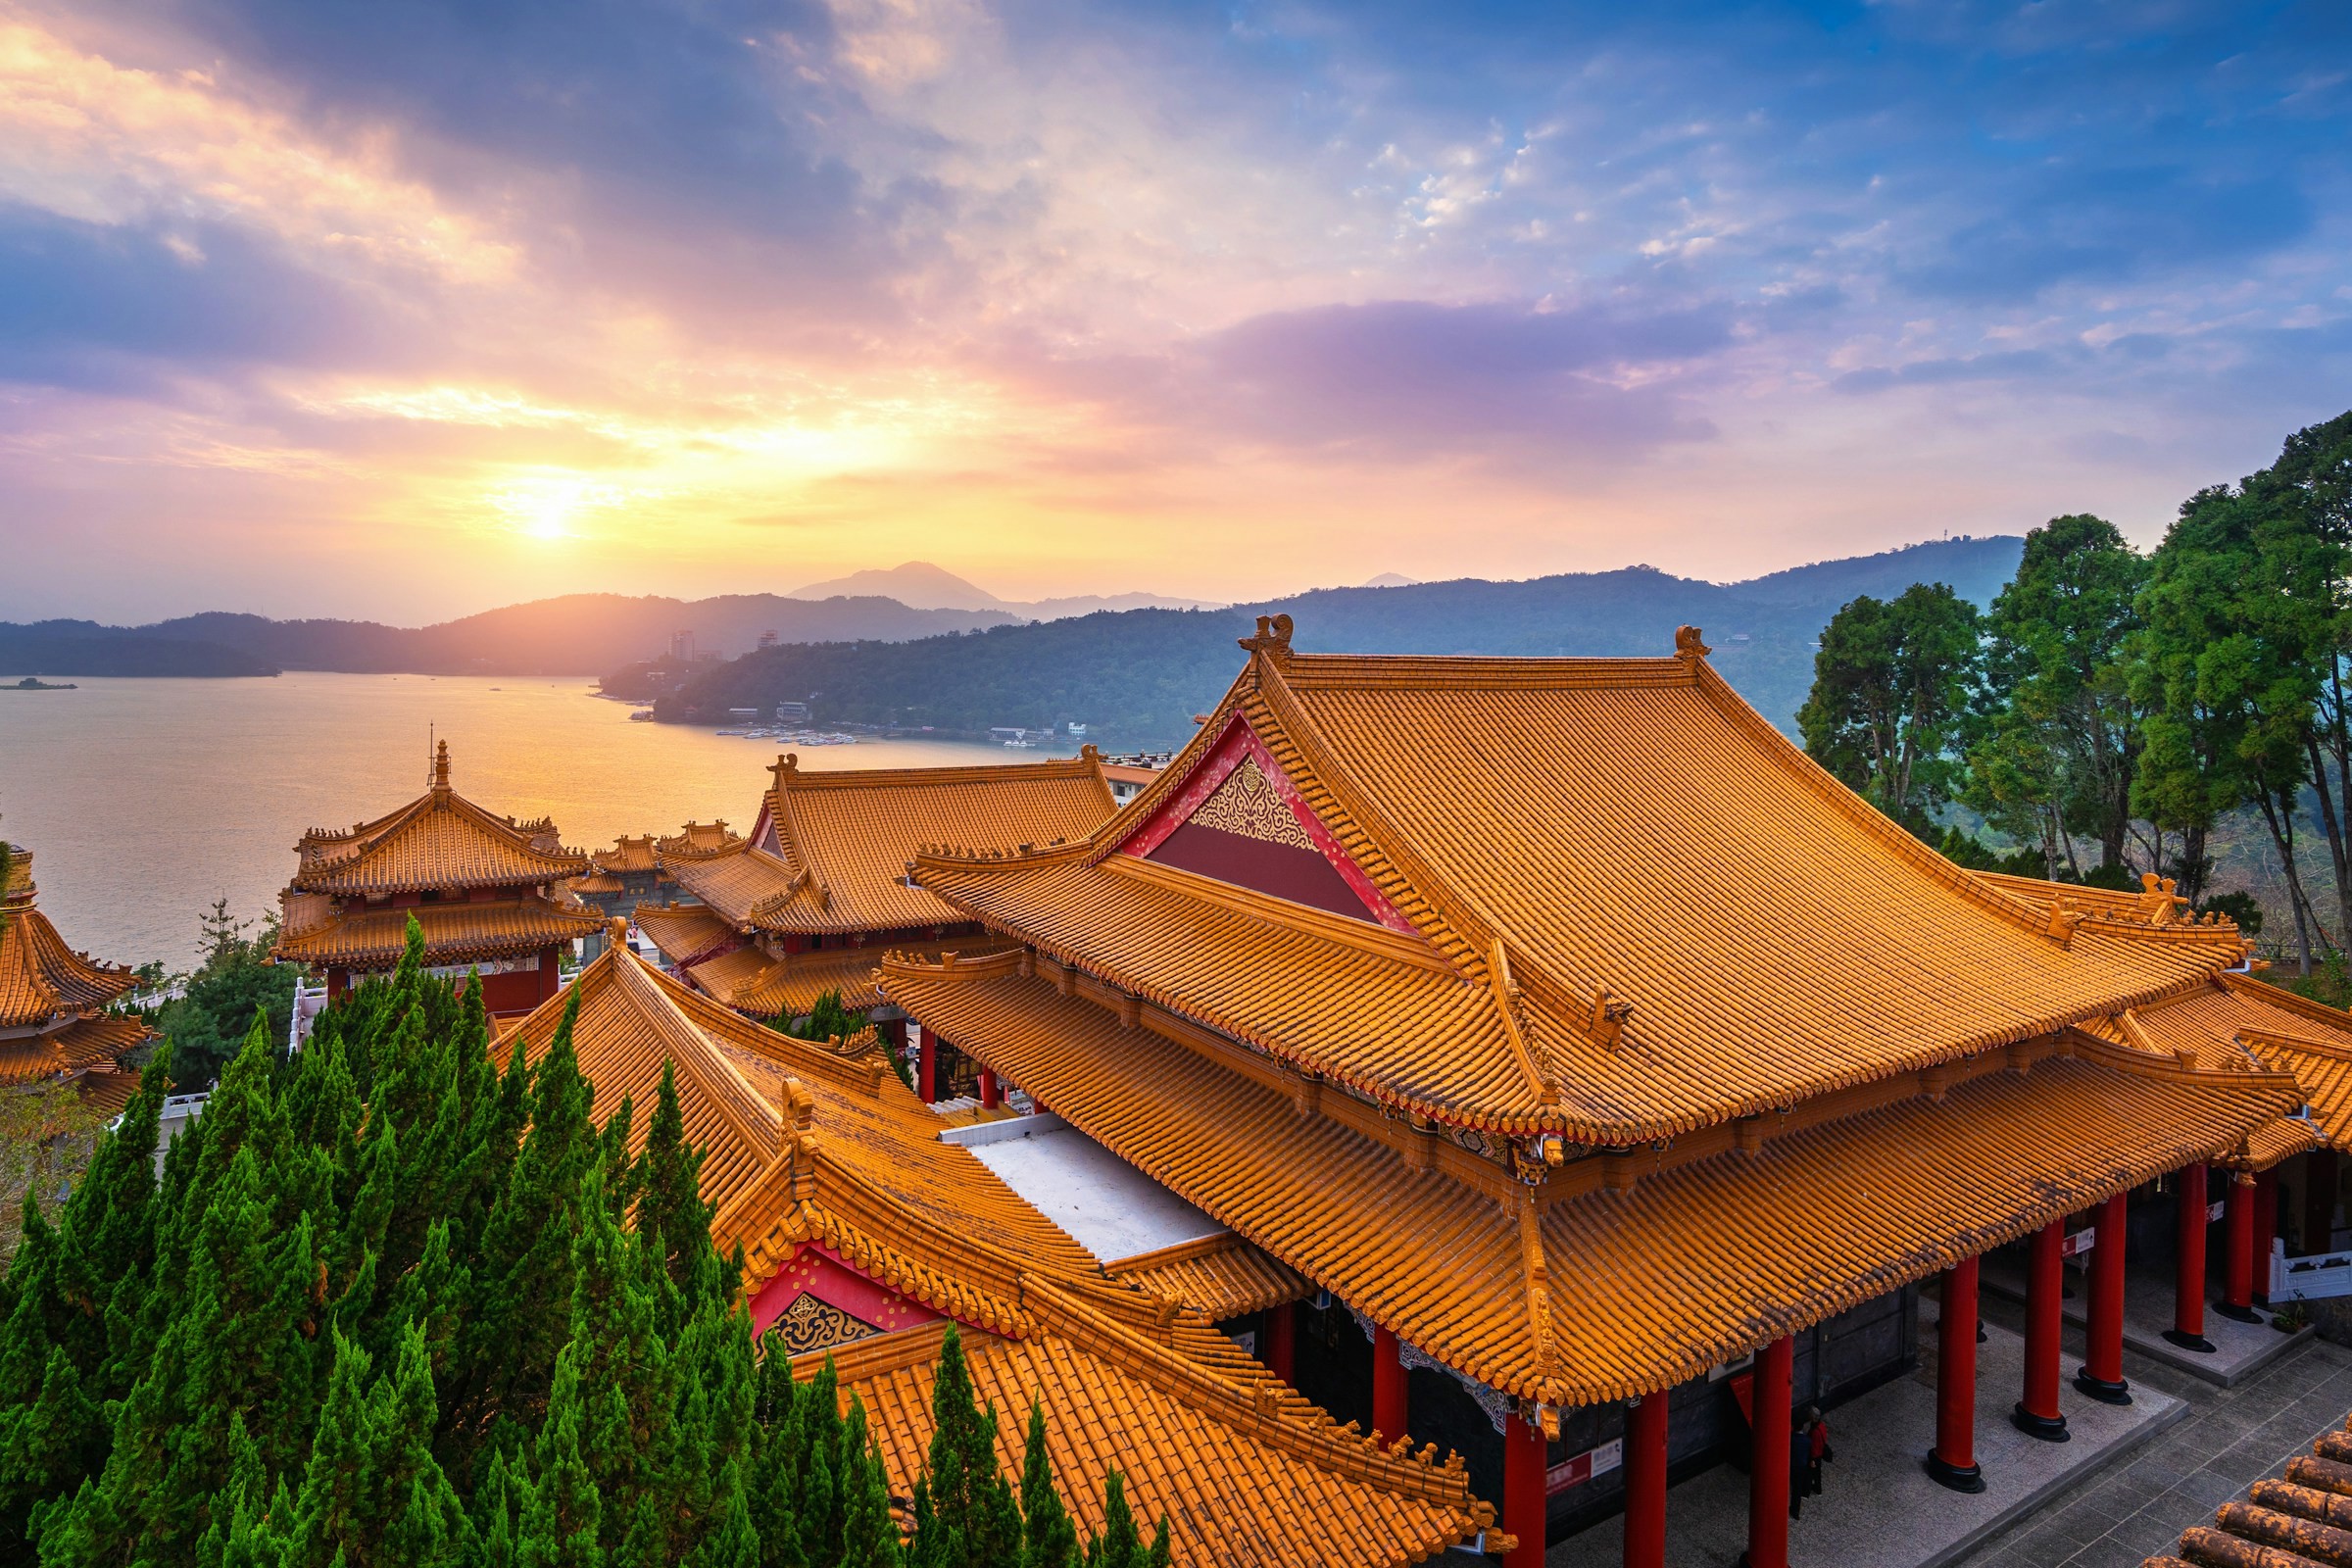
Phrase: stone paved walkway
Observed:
(2231, 1438)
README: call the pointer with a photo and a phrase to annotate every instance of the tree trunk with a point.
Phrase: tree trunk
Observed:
(2282, 839)
(2193, 862)
(2332, 829)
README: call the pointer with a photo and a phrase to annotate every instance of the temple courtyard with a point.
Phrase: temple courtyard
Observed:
(2122, 1489)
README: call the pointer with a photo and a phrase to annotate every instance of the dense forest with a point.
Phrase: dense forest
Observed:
(2115, 712)
(388, 1304)
(1137, 678)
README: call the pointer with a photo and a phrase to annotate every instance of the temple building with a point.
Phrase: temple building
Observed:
(54, 1026)
(1615, 1076)
(810, 900)
(865, 1235)
(488, 891)
(622, 877)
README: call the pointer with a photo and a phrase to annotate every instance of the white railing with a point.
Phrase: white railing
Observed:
(309, 1002)
(2315, 1277)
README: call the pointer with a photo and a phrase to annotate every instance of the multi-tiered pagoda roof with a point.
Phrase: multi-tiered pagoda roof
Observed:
(482, 886)
(54, 1023)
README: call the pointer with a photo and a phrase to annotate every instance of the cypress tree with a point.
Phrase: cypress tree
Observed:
(1050, 1539)
(972, 1520)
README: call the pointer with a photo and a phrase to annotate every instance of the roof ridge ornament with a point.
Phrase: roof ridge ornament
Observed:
(2159, 904)
(786, 767)
(440, 767)
(1273, 639)
(1689, 646)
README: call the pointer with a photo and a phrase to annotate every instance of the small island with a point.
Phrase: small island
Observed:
(34, 683)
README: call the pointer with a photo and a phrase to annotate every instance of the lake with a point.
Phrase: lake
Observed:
(143, 800)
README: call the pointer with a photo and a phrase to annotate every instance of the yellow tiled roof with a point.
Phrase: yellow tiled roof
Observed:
(1567, 839)
(752, 982)
(41, 977)
(682, 930)
(79, 1047)
(1528, 1291)
(1240, 1488)
(2236, 1019)
(628, 854)
(829, 851)
(595, 882)
(439, 840)
(453, 933)
(807, 1143)
(1219, 1277)
(697, 838)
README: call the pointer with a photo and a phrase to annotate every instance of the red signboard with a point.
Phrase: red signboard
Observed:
(2081, 1242)
(1578, 1468)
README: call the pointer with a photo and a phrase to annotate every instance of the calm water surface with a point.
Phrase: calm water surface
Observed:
(143, 800)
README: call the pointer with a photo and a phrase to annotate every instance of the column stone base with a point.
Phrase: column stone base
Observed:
(2116, 1393)
(2237, 1315)
(2189, 1342)
(2048, 1428)
(1957, 1477)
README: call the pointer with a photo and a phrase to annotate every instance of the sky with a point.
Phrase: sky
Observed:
(405, 308)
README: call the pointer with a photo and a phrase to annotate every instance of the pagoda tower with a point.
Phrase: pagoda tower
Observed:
(488, 891)
(53, 1020)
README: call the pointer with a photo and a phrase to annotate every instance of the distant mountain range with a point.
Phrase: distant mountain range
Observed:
(1133, 673)
(1135, 678)
(920, 585)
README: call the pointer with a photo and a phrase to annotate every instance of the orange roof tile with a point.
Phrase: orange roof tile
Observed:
(1219, 1277)
(1524, 1289)
(453, 933)
(683, 931)
(750, 981)
(107, 1090)
(83, 1045)
(1608, 899)
(41, 977)
(628, 854)
(809, 1144)
(1240, 1488)
(697, 838)
(439, 840)
(829, 851)
(595, 883)
(2237, 1020)
(2301, 1521)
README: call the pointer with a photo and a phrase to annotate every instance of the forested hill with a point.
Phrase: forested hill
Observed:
(85, 648)
(1137, 678)
(571, 635)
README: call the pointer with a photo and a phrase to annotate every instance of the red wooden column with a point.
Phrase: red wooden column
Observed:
(2102, 1374)
(2318, 1200)
(1768, 1457)
(2188, 1270)
(992, 1093)
(2266, 1231)
(2237, 1241)
(1282, 1342)
(2037, 1414)
(926, 1073)
(1645, 1482)
(1952, 1462)
(1525, 1498)
(1388, 1386)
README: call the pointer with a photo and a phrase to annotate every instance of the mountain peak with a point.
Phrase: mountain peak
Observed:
(916, 584)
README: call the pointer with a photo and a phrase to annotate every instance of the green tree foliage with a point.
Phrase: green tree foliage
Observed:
(232, 983)
(1894, 687)
(2056, 756)
(389, 1304)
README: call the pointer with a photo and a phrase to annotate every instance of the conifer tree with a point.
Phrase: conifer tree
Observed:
(966, 1513)
(1050, 1538)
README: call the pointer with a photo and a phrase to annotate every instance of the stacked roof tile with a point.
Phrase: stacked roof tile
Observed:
(814, 1152)
(53, 1000)
(508, 880)
(2303, 1521)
